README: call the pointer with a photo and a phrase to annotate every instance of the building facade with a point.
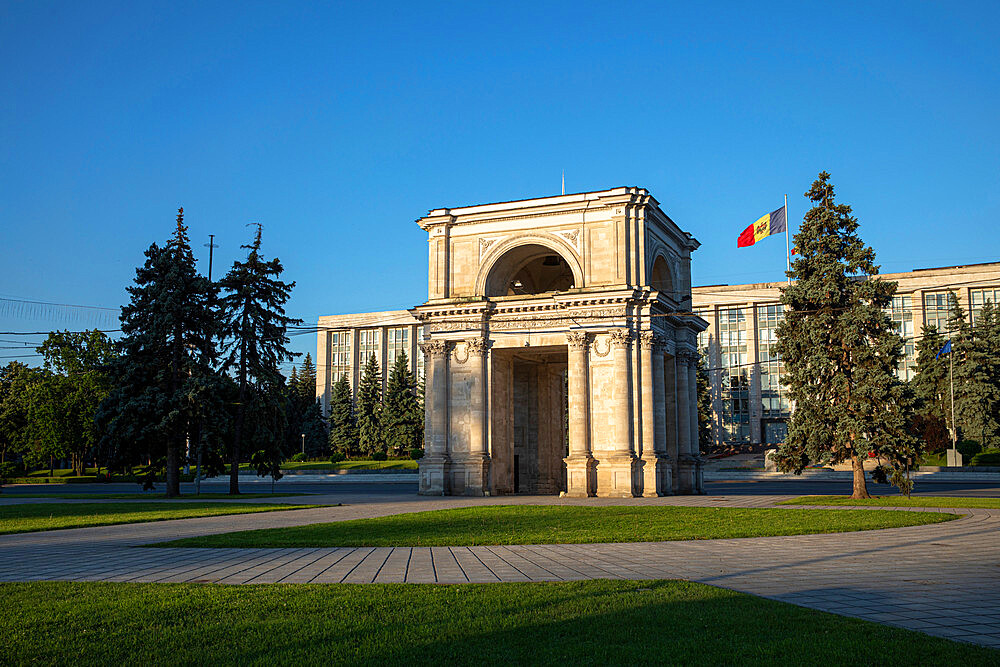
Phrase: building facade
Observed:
(559, 348)
(750, 405)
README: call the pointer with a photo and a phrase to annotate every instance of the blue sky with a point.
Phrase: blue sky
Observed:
(337, 125)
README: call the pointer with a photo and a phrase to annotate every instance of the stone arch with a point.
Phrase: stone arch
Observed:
(661, 277)
(530, 259)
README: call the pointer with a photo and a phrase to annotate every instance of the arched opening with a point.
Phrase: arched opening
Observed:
(659, 278)
(529, 269)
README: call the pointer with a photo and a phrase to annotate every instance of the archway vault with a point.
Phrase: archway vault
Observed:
(508, 257)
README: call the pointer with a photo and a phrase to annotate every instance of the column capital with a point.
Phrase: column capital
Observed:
(435, 348)
(620, 338)
(578, 340)
(688, 356)
(477, 346)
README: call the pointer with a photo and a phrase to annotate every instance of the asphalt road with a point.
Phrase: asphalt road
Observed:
(401, 490)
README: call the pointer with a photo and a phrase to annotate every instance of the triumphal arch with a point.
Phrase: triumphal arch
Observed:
(560, 349)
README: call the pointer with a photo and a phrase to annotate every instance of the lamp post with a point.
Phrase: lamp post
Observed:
(303, 443)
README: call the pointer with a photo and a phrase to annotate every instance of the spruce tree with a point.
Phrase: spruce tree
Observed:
(705, 438)
(987, 333)
(975, 388)
(930, 387)
(400, 414)
(343, 426)
(305, 384)
(255, 344)
(164, 366)
(370, 436)
(840, 349)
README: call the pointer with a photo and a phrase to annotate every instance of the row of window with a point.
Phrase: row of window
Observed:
(732, 372)
(397, 342)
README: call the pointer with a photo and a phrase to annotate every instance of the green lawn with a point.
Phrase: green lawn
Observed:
(896, 501)
(150, 496)
(527, 524)
(31, 517)
(575, 623)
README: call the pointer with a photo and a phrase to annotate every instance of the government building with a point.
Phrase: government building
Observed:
(557, 346)
(738, 347)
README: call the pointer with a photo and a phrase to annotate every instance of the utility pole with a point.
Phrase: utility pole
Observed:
(201, 445)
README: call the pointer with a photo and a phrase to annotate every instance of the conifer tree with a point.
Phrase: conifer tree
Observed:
(369, 414)
(930, 387)
(254, 334)
(167, 344)
(305, 384)
(343, 427)
(400, 414)
(975, 387)
(705, 438)
(840, 349)
(987, 333)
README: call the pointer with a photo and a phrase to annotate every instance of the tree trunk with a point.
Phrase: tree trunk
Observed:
(860, 487)
(173, 478)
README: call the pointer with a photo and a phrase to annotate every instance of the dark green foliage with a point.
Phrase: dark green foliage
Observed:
(840, 349)
(16, 383)
(165, 365)
(337, 457)
(401, 415)
(417, 454)
(380, 456)
(705, 438)
(930, 387)
(369, 415)
(254, 328)
(343, 426)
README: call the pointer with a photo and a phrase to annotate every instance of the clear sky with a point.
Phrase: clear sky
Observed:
(337, 125)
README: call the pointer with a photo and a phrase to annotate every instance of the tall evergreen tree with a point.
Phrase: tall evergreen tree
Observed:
(369, 414)
(987, 333)
(254, 333)
(166, 349)
(305, 384)
(705, 438)
(840, 349)
(930, 387)
(400, 414)
(343, 426)
(975, 388)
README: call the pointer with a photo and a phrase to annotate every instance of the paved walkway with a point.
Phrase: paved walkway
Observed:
(942, 579)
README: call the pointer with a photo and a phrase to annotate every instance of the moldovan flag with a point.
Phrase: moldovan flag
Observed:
(772, 223)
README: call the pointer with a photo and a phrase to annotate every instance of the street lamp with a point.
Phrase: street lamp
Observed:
(303, 443)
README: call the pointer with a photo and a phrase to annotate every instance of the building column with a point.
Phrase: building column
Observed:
(657, 465)
(616, 470)
(434, 465)
(699, 460)
(686, 463)
(580, 466)
(477, 465)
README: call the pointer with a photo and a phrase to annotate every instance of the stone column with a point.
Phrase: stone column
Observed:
(477, 465)
(657, 465)
(685, 477)
(699, 461)
(580, 466)
(434, 464)
(617, 468)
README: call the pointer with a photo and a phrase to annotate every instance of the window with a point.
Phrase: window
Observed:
(397, 341)
(901, 314)
(340, 354)
(936, 306)
(979, 297)
(774, 401)
(735, 374)
(367, 345)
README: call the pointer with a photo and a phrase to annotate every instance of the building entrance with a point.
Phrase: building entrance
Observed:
(529, 404)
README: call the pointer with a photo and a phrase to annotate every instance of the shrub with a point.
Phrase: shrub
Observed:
(337, 457)
(968, 449)
(416, 453)
(9, 470)
(379, 456)
(299, 458)
(991, 457)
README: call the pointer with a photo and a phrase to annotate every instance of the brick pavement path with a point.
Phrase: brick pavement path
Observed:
(942, 579)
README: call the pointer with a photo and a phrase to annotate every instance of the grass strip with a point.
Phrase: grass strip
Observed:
(896, 501)
(31, 517)
(151, 496)
(533, 524)
(574, 623)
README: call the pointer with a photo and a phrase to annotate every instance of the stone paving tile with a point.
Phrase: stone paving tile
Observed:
(942, 579)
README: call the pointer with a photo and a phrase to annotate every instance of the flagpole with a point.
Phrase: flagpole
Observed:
(951, 382)
(788, 254)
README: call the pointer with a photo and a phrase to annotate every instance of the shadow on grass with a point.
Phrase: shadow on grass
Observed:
(578, 623)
